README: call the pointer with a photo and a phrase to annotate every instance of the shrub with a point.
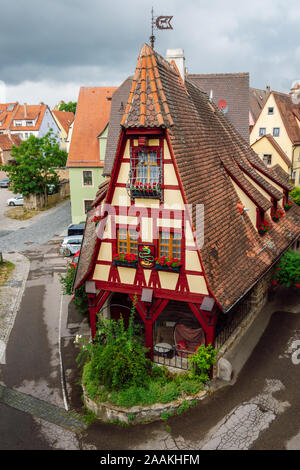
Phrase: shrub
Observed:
(201, 362)
(80, 298)
(288, 269)
(295, 195)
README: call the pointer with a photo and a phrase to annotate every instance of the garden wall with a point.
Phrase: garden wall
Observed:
(138, 414)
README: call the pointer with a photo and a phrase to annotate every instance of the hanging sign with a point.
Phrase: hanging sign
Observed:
(146, 254)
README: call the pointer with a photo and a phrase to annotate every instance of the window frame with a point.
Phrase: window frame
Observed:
(267, 155)
(92, 178)
(130, 242)
(170, 244)
(277, 128)
(271, 107)
(260, 133)
(84, 207)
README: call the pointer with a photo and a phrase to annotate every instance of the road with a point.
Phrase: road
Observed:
(260, 410)
(20, 235)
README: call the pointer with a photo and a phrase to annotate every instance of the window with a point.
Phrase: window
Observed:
(276, 131)
(262, 131)
(147, 167)
(127, 241)
(87, 205)
(87, 178)
(170, 245)
(29, 123)
(18, 123)
(271, 110)
(267, 159)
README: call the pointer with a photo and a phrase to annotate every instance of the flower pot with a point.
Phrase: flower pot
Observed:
(136, 193)
(262, 232)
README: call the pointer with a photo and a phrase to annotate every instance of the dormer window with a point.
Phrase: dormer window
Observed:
(18, 123)
(29, 123)
(145, 179)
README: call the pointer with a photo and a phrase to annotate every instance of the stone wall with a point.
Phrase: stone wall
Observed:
(137, 414)
(37, 201)
(254, 304)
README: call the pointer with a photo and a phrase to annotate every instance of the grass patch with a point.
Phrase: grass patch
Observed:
(19, 213)
(6, 268)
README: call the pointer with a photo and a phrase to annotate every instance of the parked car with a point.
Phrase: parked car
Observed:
(70, 245)
(4, 183)
(76, 229)
(16, 201)
(75, 259)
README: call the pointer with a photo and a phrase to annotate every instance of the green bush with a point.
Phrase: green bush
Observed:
(201, 362)
(295, 195)
(288, 269)
(80, 298)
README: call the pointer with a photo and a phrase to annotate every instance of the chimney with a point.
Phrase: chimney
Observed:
(25, 110)
(268, 89)
(295, 92)
(178, 56)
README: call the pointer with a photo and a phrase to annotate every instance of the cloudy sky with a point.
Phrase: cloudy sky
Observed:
(50, 48)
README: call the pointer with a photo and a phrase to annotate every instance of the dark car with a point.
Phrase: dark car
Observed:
(76, 229)
(4, 183)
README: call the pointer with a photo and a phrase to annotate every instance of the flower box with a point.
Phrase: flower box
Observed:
(146, 191)
(264, 227)
(126, 260)
(159, 267)
(167, 264)
(277, 216)
(287, 206)
(132, 264)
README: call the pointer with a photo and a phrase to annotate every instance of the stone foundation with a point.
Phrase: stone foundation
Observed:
(137, 414)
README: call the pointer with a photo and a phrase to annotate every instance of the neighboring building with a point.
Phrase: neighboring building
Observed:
(87, 147)
(271, 153)
(280, 117)
(257, 101)
(6, 143)
(230, 93)
(64, 120)
(174, 232)
(26, 120)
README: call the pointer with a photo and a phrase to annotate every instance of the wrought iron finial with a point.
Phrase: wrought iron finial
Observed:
(160, 22)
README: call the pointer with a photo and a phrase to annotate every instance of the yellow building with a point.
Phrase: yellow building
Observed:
(63, 119)
(271, 153)
(280, 118)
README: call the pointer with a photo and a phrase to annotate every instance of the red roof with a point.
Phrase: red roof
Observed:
(65, 118)
(92, 116)
(21, 112)
(7, 142)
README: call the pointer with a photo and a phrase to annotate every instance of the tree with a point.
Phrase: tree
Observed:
(70, 106)
(36, 159)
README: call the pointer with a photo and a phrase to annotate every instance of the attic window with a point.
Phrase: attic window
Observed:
(271, 110)
(262, 131)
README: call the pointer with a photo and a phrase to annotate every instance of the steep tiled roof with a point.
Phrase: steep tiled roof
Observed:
(65, 118)
(118, 104)
(234, 89)
(288, 111)
(210, 154)
(257, 101)
(10, 112)
(92, 115)
(6, 143)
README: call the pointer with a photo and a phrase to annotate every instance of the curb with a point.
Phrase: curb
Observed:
(11, 294)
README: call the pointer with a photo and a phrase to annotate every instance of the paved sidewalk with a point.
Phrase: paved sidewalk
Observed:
(10, 298)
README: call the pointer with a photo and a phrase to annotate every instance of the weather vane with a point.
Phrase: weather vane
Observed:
(159, 22)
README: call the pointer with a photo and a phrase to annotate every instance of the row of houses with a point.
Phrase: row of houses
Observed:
(20, 121)
(266, 119)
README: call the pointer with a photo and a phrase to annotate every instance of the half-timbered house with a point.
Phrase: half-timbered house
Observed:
(185, 222)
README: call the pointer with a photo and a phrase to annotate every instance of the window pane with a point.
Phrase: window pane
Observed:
(153, 157)
(122, 234)
(154, 174)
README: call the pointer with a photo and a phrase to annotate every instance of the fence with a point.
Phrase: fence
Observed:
(171, 357)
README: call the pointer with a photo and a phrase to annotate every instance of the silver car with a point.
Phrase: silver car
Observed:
(70, 245)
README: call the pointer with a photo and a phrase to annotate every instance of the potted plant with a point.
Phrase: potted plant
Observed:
(167, 264)
(277, 215)
(96, 219)
(288, 205)
(128, 260)
(264, 227)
